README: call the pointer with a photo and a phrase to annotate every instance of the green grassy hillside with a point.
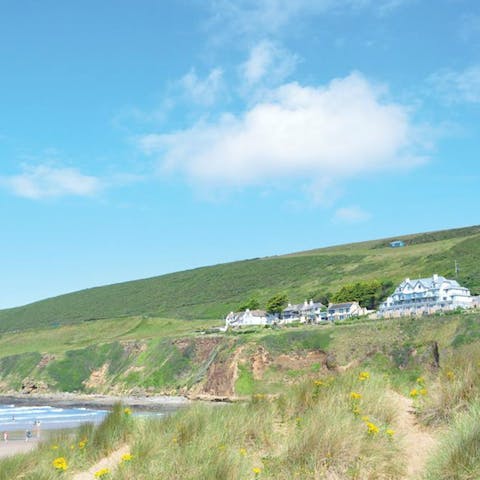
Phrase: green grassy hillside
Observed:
(138, 355)
(211, 292)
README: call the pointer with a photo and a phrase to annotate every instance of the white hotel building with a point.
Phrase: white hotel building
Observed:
(426, 295)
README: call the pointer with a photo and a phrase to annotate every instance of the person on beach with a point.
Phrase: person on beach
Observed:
(5, 436)
(28, 435)
(36, 424)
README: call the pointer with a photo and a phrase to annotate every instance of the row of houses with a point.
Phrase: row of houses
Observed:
(421, 296)
(307, 312)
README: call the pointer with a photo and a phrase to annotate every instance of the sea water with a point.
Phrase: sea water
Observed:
(14, 418)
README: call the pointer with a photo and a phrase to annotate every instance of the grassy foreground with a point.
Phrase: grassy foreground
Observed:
(337, 426)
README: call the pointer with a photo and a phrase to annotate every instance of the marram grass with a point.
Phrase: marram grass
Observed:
(67, 452)
(457, 456)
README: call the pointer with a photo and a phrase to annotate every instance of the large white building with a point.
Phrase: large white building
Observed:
(248, 317)
(425, 295)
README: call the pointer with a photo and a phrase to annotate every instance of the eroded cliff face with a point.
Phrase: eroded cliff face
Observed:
(199, 367)
(235, 364)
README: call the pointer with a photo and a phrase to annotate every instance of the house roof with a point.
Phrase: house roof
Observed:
(341, 305)
(430, 282)
(293, 308)
(309, 306)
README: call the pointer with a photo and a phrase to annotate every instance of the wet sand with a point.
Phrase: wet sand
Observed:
(12, 447)
(66, 400)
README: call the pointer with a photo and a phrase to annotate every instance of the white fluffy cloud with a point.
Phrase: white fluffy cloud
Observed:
(270, 16)
(203, 91)
(268, 60)
(458, 86)
(44, 181)
(323, 134)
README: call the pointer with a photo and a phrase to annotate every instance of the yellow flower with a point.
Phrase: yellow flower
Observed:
(82, 444)
(355, 396)
(450, 375)
(362, 376)
(319, 383)
(390, 432)
(243, 451)
(356, 411)
(127, 457)
(365, 418)
(372, 428)
(423, 391)
(127, 411)
(60, 464)
(413, 392)
(54, 447)
(421, 381)
(102, 473)
(256, 470)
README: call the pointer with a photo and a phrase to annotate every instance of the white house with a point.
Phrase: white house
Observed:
(248, 317)
(341, 311)
(426, 295)
(476, 301)
(306, 312)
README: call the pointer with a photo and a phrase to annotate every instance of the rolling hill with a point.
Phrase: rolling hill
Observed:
(211, 292)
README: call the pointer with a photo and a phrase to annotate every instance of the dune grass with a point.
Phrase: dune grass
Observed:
(454, 388)
(318, 428)
(79, 449)
(458, 454)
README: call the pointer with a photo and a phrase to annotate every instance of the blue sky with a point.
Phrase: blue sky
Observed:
(140, 138)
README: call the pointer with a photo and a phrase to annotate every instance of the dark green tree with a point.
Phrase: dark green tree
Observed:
(277, 303)
(368, 294)
(251, 304)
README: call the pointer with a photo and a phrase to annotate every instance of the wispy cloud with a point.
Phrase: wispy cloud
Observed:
(457, 86)
(44, 181)
(203, 91)
(266, 17)
(322, 134)
(351, 214)
(270, 62)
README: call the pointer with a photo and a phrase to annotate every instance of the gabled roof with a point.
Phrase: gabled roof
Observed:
(430, 282)
(340, 305)
(293, 308)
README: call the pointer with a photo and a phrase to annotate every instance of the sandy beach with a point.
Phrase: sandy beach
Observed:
(13, 447)
(65, 400)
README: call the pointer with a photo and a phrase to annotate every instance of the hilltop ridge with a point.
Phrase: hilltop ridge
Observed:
(210, 292)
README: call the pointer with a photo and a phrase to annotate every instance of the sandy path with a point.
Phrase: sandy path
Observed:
(111, 462)
(16, 446)
(419, 443)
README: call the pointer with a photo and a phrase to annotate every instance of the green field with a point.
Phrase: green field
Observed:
(137, 355)
(211, 292)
